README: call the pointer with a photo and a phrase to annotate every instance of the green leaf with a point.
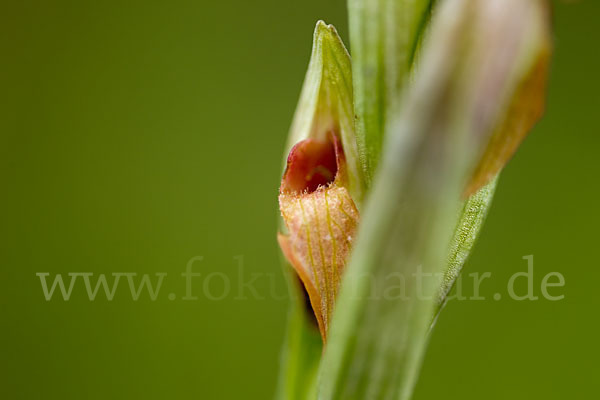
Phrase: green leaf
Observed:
(470, 221)
(472, 65)
(384, 35)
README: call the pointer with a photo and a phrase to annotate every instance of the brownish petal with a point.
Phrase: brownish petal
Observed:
(321, 220)
(524, 111)
(321, 227)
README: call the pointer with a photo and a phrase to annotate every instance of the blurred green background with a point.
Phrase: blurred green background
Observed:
(135, 135)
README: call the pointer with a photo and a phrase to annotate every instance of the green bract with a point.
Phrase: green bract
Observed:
(326, 102)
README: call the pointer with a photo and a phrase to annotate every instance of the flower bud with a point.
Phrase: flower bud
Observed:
(322, 186)
(321, 220)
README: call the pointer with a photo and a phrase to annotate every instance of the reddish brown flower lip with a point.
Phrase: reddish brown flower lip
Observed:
(312, 164)
(321, 219)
